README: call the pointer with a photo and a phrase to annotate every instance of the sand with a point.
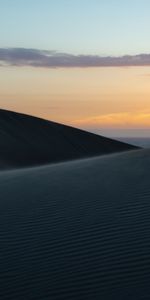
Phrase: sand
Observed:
(26, 141)
(77, 229)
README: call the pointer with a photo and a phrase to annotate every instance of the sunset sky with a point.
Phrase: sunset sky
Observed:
(84, 63)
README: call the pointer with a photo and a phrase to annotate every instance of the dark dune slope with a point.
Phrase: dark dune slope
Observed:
(26, 140)
(77, 230)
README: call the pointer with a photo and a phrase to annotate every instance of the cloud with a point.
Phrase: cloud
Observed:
(116, 120)
(52, 59)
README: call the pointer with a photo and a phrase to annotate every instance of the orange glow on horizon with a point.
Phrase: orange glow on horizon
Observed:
(116, 120)
(92, 98)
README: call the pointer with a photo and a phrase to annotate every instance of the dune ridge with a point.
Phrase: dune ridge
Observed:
(28, 141)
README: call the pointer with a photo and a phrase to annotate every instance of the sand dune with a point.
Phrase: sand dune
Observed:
(77, 230)
(26, 141)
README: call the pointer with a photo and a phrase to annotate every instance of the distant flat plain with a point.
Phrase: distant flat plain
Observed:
(140, 142)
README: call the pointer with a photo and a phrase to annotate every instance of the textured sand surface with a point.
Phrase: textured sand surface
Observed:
(26, 141)
(77, 230)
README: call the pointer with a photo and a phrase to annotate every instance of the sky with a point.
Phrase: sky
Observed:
(83, 63)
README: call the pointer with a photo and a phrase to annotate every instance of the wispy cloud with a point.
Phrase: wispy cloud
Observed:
(52, 59)
(116, 120)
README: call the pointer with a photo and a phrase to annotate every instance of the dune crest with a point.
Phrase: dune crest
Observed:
(28, 141)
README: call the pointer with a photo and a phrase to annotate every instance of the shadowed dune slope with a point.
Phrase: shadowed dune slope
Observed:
(26, 141)
(77, 230)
